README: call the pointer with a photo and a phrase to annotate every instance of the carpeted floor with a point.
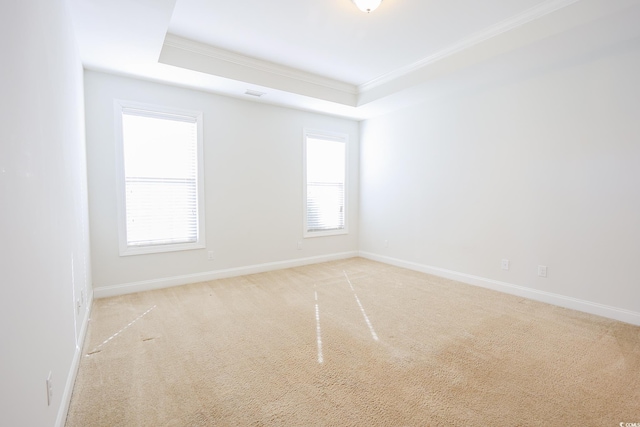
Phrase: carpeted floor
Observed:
(351, 343)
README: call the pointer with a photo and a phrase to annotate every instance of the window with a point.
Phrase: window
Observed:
(159, 178)
(325, 163)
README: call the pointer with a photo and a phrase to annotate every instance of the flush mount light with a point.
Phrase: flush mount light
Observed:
(367, 5)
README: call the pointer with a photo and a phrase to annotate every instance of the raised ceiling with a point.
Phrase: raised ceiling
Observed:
(326, 55)
(332, 38)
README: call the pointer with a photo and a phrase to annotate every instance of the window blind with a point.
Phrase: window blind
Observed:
(160, 177)
(325, 170)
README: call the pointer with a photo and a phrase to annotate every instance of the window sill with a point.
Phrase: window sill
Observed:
(142, 250)
(308, 234)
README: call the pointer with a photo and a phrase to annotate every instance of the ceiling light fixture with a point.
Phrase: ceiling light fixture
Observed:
(367, 5)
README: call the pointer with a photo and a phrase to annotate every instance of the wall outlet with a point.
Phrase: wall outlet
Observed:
(542, 270)
(386, 243)
(210, 255)
(505, 264)
(299, 245)
(49, 389)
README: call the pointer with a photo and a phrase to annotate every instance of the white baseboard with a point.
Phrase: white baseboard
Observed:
(615, 313)
(63, 410)
(147, 285)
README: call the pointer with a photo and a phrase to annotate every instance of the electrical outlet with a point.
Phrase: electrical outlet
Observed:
(386, 243)
(505, 264)
(542, 270)
(210, 255)
(299, 245)
(49, 390)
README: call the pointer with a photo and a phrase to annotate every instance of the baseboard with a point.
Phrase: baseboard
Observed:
(75, 365)
(615, 313)
(148, 285)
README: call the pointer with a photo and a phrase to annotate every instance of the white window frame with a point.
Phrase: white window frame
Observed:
(166, 112)
(329, 136)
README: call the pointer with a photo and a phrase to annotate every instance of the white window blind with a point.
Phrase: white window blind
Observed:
(325, 166)
(160, 165)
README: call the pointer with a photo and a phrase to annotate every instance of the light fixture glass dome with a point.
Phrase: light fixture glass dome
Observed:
(367, 5)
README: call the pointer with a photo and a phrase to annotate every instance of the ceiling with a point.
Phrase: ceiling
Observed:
(328, 56)
(335, 39)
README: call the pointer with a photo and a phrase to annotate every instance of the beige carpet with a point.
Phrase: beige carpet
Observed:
(351, 343)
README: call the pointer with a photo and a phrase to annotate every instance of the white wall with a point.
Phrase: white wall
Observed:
(539, 167)
(44, 259)
(253, 186)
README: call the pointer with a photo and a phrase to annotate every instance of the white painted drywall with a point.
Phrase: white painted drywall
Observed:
(541, 166)
(44, 258)
(253, 183)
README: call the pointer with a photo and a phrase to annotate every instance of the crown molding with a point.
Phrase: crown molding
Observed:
(515, 21)
(257, 64)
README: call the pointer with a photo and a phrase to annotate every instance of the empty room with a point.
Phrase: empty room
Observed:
(320, 212)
